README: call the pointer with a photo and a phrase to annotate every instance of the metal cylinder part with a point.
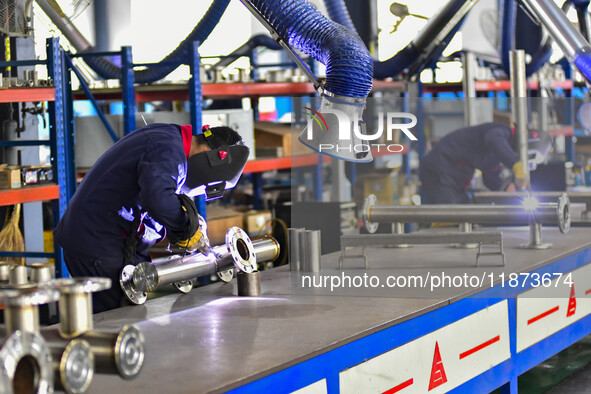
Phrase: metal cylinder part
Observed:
(519, 106)
(25, 359)
(4, 271)
(21, 307)
(73, 364)
(17, 275)
(249, 285)
(293, 238)
(75, 307)
(238, 252)
(555, 214)
(121, 352)
(266, 249)
(310, 250)
(40, 272)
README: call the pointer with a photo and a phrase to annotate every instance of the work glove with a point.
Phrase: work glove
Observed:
(199, 241)
(520, 175)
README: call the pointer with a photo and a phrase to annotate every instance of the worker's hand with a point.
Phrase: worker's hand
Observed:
(199, 241)
(520, 175)
(510, 188)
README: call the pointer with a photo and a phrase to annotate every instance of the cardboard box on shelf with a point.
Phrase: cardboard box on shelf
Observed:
(258, 223)
(219, 220)
(10, 177)
(382, 182)
(279, 135)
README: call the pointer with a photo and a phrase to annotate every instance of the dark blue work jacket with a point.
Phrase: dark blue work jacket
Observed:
(140, 175)
(455, 157)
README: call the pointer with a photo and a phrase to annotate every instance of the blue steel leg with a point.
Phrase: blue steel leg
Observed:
(90, 96)
(257, 189)
(127, 90)
(58, 142)
(196, 104)
(318, 178)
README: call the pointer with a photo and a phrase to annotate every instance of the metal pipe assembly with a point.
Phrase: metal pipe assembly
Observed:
(25, 364)
(518, 198)
(554, 214)
(519, 107)
(73, 363)
(238, 252)
(76, 303)
(121, 352)
(21, 307)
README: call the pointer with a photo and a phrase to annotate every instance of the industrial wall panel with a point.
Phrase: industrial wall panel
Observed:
(438, 361)
(553, 305)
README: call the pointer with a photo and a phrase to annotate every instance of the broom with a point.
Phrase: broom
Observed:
(11, 239)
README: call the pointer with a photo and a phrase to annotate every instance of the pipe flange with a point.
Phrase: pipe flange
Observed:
(129, 352)
(76, 366)
(241, 250)
(23, 297)
(126, 282)
(368, 204)
(563, 211)
(226, 276)
(184, 286)
(32, 350)
(81, 285)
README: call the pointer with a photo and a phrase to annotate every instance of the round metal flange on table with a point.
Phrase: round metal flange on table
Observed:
(241, 249)
(25, 359)
(184, 286)
(369, 202)
(75, 303)
(126, 282)
(21, 310)
(122, 352)
(73, 366)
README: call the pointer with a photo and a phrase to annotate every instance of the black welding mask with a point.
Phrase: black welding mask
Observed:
(212, 172)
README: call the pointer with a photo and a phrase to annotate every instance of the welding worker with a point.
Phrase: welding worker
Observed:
(446, 171)
(139, 192)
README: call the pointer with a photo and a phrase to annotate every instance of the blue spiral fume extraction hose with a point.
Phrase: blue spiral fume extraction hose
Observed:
(349, 71)
(413, 55)
(108, 70)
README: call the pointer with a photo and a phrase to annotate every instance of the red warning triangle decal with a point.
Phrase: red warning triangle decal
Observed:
(438, 376)
(572, 302)
(223, 154)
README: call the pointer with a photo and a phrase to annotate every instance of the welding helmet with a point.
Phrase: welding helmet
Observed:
(216, 170)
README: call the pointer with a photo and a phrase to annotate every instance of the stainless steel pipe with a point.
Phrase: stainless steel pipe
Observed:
(555, 214)
(75, 307)
(266, 249)
(294, 248)
(519, 108)
(237, 252)
(73, 362)
(310, 250)
(249, 285)
(121, 352)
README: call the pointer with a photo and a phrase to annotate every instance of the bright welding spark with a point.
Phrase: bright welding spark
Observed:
(530, 203)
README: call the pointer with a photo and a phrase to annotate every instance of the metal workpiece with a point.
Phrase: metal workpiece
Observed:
(249, 285)
(21, 307)
(18, 276)
(25, 360)
(238, 252)
(73, 362)
(293, 240)
(310, 250)
(4, 271)
(491, 197)
(40, 272)
(266, 249)
(554, 214)
(364, 241)
(75, 303)
(519, 107)
(121, 352)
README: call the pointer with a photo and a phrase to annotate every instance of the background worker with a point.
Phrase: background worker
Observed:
(138, 192)
(446, 171)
